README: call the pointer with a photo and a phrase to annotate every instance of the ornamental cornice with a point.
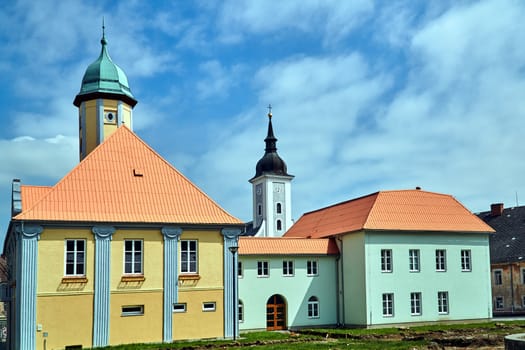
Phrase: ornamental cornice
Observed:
(171, 232)
(231, 233)
(103, 232)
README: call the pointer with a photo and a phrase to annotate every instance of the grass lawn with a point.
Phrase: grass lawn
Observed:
(461, 336)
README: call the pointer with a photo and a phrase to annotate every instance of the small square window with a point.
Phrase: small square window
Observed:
(133, 310)
(208, 306)
(498, 303)
(180, 307)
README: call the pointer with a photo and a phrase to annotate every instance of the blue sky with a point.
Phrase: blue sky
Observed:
(366, 95)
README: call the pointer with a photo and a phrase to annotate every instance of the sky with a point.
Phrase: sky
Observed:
(366, 95)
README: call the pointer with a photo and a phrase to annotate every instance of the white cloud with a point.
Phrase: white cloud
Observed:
(331, 18)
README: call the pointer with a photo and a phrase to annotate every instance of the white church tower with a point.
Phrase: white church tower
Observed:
(271, 191)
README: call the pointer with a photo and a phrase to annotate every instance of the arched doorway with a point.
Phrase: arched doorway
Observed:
(275, 313)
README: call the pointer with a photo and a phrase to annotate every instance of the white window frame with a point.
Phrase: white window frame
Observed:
(240, 269)
(240, 311)
(388, 304)
(498, 277)
(443, 303)
(209, 306)
(179, 307)
(263, 268)
(313, 307)
(132, 310)
(76, 252)
(186, 263)
(288, 268)
(499, 303)
(413, 260)
(386, 260)
(312, 268)
(441, 260)
(133, 261)
(415, 304)
(466, 260)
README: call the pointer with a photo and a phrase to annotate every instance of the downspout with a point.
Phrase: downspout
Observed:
(511, 288)
(337, 290)
(341, 292)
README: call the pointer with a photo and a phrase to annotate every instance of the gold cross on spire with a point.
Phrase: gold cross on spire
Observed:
(270, 111)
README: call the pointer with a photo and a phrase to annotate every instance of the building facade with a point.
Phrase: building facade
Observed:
(124, 248)
(507, 256)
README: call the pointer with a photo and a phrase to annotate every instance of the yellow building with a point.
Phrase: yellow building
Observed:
(124, 248)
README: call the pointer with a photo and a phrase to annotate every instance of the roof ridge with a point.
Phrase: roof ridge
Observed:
(340, 203)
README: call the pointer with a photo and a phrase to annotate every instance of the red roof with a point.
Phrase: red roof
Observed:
(405, 210)
(123, 180)
(286, 246)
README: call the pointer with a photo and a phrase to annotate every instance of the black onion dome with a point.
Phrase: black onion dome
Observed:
(270, 163)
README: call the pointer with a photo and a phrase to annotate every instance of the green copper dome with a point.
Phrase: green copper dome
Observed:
(103, 78)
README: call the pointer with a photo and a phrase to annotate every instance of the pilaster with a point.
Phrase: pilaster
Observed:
(26, 288)
(231, 299)
(171, 237)
(103, 235)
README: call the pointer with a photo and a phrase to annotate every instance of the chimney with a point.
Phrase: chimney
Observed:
(16, 198)
(496, 209)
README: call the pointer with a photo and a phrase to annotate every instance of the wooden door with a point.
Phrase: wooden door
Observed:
(275, 313)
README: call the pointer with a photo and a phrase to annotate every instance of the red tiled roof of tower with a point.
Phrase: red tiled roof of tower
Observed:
(286, 246)
(404, 210)
(123, 180)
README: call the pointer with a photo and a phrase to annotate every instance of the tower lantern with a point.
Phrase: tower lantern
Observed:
(104, 102)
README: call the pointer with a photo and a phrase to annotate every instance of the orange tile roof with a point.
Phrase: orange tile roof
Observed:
(286, 246)
(406, 210)
(123, 180)
(31, 194)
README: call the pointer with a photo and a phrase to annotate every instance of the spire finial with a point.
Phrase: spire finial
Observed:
(103, 40)
(270, 111)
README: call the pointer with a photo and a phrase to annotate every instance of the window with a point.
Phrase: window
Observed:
(287, 268)
(262, 269)
(75, 257)
(413, 260)
(311, 268)
(278, 208)
(259, 209)
(498, 303)
(415, 304)
(523, 302)
(208, 306)
(279, 225)
(180, 307)
(133, 310)
(388, 304)
(443, 303)
(386, 260)
(133, 256)
(241, 311)
(313, 307)
(522, 276)
(239, 269)
(498, 280)
(188, 256)
(465, 260)
(441, 264)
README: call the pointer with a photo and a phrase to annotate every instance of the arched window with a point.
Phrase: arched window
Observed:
(259, 209)
(279, 225)
(313, 307)
(279, 208)
(241, 311)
